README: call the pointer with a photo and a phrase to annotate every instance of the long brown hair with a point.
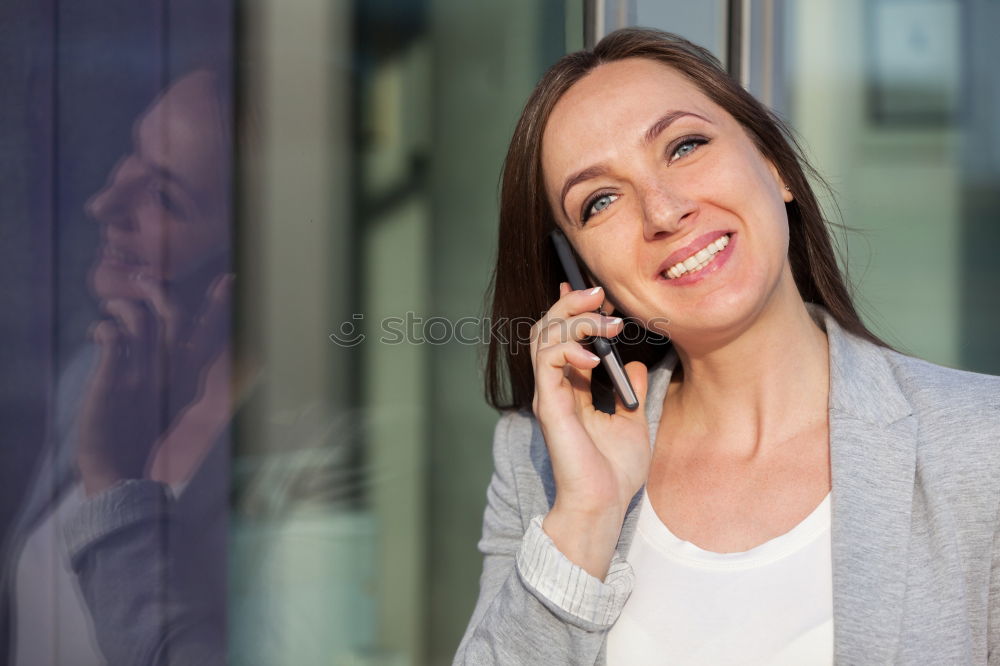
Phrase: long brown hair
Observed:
(527, 273)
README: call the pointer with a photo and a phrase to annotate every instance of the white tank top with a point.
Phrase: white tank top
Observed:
(772, 604)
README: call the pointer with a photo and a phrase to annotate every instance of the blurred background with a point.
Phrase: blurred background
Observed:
(353, 149)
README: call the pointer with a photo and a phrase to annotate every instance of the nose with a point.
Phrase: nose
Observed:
(108, 205)
(664, 210)
(99, 204)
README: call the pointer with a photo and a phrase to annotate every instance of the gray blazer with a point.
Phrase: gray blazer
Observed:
(915, 457)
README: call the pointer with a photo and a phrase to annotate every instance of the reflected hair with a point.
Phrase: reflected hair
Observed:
(526, 277)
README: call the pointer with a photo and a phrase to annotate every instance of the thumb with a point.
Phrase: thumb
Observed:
(105, 335)
(212, 323)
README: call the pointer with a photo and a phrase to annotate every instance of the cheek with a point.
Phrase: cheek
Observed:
(614, 262)
(743, 185)
(605, 251)
(151, 221)
(729, 179)
(192, 242)
(181, 241)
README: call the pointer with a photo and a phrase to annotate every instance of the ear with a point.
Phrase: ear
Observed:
(786, 192)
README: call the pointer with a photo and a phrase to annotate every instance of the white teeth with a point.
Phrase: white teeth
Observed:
(699, 259)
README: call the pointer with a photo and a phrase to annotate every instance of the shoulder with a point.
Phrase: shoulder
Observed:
(967, 400)
(957, 420)
(513, 427)
(515, 434)
(519, 450)
(878, 384)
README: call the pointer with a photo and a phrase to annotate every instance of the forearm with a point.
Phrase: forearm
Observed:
(120, 549)
(546, 610)
(517, 628)
(588, 539)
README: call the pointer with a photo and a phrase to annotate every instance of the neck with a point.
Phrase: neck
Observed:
(757, 390)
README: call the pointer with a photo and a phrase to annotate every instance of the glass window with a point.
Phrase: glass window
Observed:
(895, 103)
(376, 134)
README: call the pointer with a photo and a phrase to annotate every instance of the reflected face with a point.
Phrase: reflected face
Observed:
(666, 199)
(163, 211)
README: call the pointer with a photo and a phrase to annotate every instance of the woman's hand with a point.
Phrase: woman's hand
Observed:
(148, 370)
(599, 460)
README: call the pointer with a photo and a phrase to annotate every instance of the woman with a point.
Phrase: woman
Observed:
(790, 489)
(119, 553)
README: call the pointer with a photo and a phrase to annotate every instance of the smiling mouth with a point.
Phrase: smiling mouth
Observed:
(123, 257)
(698, 260)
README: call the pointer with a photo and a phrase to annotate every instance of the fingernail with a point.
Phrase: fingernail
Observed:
(594, 357)
(593, 291)
(614, 321)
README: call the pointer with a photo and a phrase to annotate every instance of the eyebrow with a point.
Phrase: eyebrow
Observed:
(577, 178)
(162, 171)
(666, 121)
(165, 174)
(657, 128)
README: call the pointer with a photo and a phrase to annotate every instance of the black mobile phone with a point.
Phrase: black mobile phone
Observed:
(603, 347)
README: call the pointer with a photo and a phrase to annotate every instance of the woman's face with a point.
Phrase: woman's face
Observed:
(163, 211)
(644, 172)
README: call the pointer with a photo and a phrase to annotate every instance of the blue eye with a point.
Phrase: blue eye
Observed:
(684, 149)
(597, 204)
(686, 146)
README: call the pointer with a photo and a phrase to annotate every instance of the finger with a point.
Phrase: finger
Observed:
(106, 336)
(553, 361)
(569, 301)
(638, 376)
(580, 327)
(569, 304)
(167, 315)
(137, 341)
(128, 314)
(575, 302)
(579, 380)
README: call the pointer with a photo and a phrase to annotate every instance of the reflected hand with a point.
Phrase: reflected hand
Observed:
(144, 359)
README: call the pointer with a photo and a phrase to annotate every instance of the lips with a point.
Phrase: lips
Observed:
(690, 249)
(123, 256)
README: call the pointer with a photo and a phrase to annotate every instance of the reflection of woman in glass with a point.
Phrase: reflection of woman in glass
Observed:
(791, 490)
(160, 278)
(137, 480)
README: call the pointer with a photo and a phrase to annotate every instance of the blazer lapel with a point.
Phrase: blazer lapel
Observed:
(872, 469)
(872, 459)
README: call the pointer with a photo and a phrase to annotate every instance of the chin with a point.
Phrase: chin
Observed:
(719, 318)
